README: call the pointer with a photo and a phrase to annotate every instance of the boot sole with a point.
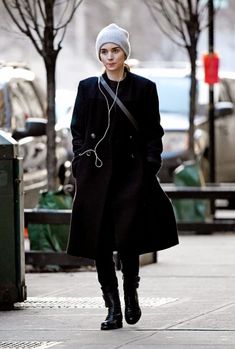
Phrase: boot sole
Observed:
(105, 327)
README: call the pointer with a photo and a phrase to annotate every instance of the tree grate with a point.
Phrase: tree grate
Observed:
(27, 345)
(84, 302)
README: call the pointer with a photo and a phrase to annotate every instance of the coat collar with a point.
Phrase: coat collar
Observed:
(123, 82)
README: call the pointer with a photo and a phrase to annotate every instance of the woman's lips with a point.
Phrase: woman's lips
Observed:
(110, 64)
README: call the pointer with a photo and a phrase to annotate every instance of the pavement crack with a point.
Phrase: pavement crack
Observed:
(135, 340)
(200, 315)
(199, 330)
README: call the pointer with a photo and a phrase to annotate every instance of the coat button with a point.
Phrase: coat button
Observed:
(132, 156)
(93, 135)
(130, 137)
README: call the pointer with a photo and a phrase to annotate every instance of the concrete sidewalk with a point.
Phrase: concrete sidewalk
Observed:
(188, 301)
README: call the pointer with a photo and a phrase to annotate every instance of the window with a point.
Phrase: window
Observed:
(173, 94)
(226, 90)
(24, 103)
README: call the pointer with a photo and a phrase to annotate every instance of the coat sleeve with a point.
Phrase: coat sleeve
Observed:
(153, 130)
(78, 120)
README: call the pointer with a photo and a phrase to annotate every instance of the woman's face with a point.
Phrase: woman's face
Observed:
(112, 57)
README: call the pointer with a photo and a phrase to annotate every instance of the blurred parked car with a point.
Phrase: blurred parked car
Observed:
(173, 86)
(22, 115)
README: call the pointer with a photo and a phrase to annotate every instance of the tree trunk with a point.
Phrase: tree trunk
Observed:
(36, 20)
(51, 136)
(50, 55)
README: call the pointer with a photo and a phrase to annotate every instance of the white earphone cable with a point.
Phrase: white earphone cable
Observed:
(98, 161)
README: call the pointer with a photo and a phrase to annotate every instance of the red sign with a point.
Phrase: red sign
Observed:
(211, 68)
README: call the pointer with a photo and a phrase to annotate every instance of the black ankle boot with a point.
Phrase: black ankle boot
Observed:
(114, 317)
(132, 308)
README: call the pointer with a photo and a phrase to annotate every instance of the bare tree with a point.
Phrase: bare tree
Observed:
(183, 21)
(45, 23)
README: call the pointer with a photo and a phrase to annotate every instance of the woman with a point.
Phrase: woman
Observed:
(119, 204)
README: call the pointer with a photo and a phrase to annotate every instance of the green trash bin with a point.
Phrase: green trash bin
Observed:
(12, 259)
(190, 210)
(51, 237)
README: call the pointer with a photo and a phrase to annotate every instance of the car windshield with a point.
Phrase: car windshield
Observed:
(173, 94)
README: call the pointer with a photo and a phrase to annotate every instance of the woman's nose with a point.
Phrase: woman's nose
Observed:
(110, 55)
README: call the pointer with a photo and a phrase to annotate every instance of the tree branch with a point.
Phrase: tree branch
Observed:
(182, 21)
(75, 5)
(25, 28)
(167, 12)
(32, 15)
(41, 11)
(63, 13)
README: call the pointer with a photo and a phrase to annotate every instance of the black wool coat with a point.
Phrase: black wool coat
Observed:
(119, 201)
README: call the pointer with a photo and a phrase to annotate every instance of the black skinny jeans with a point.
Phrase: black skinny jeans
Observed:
(105, 267)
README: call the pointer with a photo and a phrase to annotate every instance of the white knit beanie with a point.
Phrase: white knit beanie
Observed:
(113, 34)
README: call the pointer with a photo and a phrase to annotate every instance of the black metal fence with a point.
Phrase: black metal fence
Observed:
(209, 192)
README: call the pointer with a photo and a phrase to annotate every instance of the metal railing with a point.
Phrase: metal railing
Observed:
(210, 192)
